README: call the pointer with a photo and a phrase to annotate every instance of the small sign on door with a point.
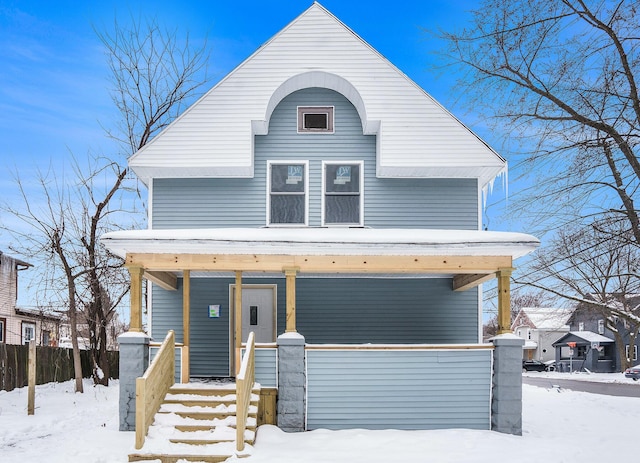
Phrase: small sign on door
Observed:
(214, 311)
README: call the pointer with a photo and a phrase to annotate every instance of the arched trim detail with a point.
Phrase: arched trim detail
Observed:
(322, 80)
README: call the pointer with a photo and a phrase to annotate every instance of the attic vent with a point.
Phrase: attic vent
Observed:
(315, 119)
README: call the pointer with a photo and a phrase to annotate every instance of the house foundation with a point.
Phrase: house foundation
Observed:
(506, 402)
(134, 360)
(291, 382)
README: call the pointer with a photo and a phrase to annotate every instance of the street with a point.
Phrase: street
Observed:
(613, 389)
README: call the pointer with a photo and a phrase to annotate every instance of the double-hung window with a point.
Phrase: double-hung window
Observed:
(342, 195)
(3, 329)
(28, 332)
(287, 184)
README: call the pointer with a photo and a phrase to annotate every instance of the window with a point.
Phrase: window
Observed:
(342, 199)
(28, 332)
(315, 119)
(635, 352)
(581, 326)
(600, 326)
(287, 193)
(3, 328)
(46, 337)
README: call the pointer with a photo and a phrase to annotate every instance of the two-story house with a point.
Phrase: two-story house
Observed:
(21, 325)
(321, 199)
(540, 327)
(596, 346)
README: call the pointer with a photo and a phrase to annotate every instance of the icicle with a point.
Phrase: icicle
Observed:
(488, 188)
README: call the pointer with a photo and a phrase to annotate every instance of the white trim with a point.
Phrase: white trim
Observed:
(149, 289)
(305, 163)
(323, 223)
(150, 205)
(480, 308)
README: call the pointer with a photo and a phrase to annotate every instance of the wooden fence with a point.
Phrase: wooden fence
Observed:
(54, 364)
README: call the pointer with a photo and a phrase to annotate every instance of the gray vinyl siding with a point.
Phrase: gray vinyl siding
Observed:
(362, 310)
(209, 349)
(389, 203)
(344, 310)
(153, 351)
(377, 389)
(266, 366)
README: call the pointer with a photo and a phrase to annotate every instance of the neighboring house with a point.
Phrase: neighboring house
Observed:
(540, 327)
(21, 325)
(346, 203)
(586, 319)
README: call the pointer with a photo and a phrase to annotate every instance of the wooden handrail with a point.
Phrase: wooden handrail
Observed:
(153, 386)
(244, 387)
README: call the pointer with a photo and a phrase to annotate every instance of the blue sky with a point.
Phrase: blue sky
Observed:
(54, 95)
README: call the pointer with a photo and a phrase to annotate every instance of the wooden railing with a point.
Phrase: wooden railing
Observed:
(244, 386)
(153, 386)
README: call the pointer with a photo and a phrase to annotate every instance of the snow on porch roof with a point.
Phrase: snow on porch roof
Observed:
(321, 241)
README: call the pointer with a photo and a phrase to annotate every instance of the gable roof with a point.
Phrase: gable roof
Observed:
(416, 136)
(583, 337)
(543, 318)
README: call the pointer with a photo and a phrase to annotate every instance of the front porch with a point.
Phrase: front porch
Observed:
(436, 385)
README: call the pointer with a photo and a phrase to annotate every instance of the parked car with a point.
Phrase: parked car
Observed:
(633, 372)
(533, 365)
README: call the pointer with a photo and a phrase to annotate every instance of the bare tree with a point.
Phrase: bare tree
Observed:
(153, 75)
(524, 297)
(596, 267)
(561, 76)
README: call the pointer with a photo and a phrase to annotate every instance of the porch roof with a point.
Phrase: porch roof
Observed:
(321, 242)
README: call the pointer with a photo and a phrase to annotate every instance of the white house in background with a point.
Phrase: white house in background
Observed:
(540, 327)
(21, 325)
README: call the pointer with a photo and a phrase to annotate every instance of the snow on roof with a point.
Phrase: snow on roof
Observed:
(321, 241)
(588, 336)
(547, 318)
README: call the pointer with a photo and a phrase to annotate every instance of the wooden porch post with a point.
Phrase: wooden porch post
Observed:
(238, 321)
(290, 274)
(135, 323)
(186, 331)
(504, 300)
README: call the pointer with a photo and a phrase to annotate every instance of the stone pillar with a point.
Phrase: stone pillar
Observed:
(134, 360)
(506, 403)
(291, 382)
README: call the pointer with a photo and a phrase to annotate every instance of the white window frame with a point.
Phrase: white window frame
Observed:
(601, 326)
(635, 352)
(324, 193)
(3, 330)
(306, 193)
(28, 325)
(328, 110)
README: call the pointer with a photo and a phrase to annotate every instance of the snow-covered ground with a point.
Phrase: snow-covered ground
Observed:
(559, 426)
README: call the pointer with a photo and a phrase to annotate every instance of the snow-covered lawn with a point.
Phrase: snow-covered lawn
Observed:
(559, 426)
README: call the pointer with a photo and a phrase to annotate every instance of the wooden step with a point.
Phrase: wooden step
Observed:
(176, 458)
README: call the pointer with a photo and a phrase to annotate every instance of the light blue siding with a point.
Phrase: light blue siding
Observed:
(389, 203)
(266, 366)
(329, 310)
(209, 349)
(379, 310)
(153, 351)
(413, 389)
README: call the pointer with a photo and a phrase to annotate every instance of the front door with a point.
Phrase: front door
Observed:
(258, 314)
